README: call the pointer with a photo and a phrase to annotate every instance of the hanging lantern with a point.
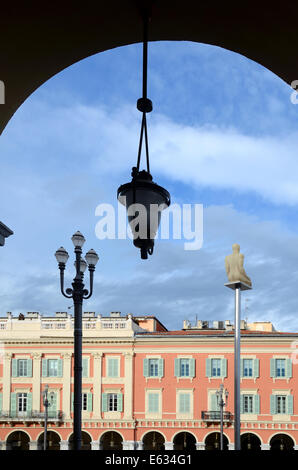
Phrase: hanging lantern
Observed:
(144, 200)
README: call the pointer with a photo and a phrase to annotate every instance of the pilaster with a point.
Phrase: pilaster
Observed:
(6, 381)
(66, 381)
(97, 381)
(128, 389)
(36, 381)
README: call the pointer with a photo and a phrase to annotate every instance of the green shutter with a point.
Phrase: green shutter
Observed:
(256, 404)
(192, 369)
(60, 367)
(290, 404)
(288, 368)
(14, 368)
(177, 367)
(44, 367)
(104, 402)
(214, 404)
(272, 368)
(85, 366)
(119, 402)
(52, 397)
(160, 367)
(184, 402)
(241, 403)
(112, 367)
(256, 368)
(89, 401)
(29, 367)
(13, 403)
(146, 367)
(208, 367)
(241, 367)
(224, 367)
(29, 403)
(153, 402)
(273, 404)
(72, 398)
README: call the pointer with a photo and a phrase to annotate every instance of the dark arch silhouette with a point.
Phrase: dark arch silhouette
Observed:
(154, 440)
(184, 441)
(111, 440)
(250, 442)
(65, 37)
(212, 442)
(281, 442)
(17, 440)
(53, 441)
(86, 442)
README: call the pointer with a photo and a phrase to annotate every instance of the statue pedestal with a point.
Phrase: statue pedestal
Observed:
(238, 285)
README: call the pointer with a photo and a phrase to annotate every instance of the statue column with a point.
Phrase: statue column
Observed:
(36, 381)
(66, 384)
(97, 381)
(128, 389)
(6, 382)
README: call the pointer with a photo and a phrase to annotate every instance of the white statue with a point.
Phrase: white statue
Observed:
(234, 266)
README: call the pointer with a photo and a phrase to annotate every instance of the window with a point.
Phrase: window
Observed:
(184, 367)
(280, 404)
(247, 367)
(248, 404)
(184, 403)
(153, 367)
(84, 401)
(215, 367)
(22, 368)
(112, 401)
(113, 367)
(153, 402)
(280, 367)
(52, 367)
(22, 403)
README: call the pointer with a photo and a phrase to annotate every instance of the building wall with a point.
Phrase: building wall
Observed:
(134, 420)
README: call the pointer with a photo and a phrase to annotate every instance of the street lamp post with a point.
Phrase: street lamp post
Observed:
(77, 293)
(220, 394)
(46, 404)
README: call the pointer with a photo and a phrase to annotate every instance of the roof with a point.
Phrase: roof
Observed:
(214, 332)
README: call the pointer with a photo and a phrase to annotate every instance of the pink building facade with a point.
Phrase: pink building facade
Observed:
(145, 387)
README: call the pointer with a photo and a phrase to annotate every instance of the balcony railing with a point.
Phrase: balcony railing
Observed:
(214, 416)
(31, 416)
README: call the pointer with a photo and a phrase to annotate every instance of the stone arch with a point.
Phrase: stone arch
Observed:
(184, 441)
(250, 441)
(53, 440)
(153, 440)
(79, 36)
(212, 441)
(282, 441)
(111, 440)
(18, 440)
(86, 441)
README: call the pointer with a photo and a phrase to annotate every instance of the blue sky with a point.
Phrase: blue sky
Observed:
(223, 133)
